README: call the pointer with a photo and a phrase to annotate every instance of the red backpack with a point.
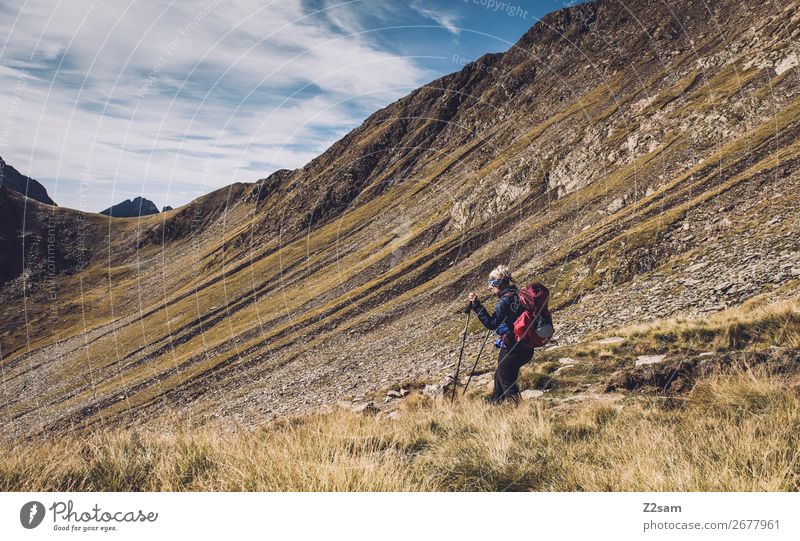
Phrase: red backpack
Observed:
(534, 326)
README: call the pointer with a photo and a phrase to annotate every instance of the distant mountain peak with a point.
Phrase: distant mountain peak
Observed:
(18, 182)
(132, 208)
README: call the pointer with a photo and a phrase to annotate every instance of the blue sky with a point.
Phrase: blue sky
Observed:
(104, 101)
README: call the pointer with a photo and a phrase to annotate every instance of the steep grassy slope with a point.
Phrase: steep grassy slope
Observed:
(641, 163)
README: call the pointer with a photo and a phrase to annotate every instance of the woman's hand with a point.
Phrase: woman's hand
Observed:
(472, 298)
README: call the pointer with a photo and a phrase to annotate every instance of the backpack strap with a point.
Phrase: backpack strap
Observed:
(514, 293)
(538, 290)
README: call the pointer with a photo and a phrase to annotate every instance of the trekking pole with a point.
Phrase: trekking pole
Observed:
(468, 310)
(474, 366)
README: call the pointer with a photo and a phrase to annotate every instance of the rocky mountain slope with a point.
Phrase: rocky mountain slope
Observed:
(13, 179)
(643, 162)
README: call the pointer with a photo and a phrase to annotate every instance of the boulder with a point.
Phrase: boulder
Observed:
(649, 359)
(364, 407)
(443, 387)
(610, 340)
(357, 407)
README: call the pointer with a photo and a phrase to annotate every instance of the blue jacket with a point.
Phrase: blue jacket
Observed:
(506, 312)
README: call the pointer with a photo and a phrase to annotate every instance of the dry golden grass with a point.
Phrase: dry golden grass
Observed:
(735, 432)
(762, 327)
(755, 325)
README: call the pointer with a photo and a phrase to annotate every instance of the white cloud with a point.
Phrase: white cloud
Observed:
(446, 19)
(168, 98)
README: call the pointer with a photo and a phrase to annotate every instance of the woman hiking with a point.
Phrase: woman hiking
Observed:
(512, 356)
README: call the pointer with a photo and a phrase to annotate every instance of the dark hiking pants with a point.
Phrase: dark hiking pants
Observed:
(505, 377)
